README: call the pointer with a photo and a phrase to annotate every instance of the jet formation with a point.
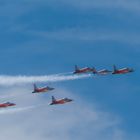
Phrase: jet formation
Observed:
(77, 70)
(103, 71)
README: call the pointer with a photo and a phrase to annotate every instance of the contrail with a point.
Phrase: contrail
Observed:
(14, 80)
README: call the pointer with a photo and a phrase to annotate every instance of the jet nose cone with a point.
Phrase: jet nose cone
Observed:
(12, 104)
(70, 100)
(52, 88)
(132, 70)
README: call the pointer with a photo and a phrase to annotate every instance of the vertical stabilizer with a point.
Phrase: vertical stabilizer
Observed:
(76, 68)
(115, 68)
(53, 99)
(94, 70)
(35, 87)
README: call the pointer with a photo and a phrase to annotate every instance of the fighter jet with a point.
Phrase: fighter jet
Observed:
(81, 70)
(42, 89)
(59, 101)
(122, 71)
(101, 72)
(7, 104)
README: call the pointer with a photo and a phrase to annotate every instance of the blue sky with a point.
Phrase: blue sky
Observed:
(43, 38)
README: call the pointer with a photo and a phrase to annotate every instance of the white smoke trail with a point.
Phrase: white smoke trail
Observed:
(19, 109)
(14, 80)
(15, 110)
(12, 96)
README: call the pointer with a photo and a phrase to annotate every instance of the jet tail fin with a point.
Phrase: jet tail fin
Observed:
(76, 67)
(94, 70)
(53, 99)
(114, 67)
(35, 87)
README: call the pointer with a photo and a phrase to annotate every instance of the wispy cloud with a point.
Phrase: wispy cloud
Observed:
(14, 110)
(77, 120)
(10, 8)
(129, 5)
(90, 35)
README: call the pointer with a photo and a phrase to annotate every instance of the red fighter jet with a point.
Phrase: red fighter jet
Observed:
(101, 72)
(7, 104)
(60, 101)
(42, 89)
(82, 70)
(122, 71)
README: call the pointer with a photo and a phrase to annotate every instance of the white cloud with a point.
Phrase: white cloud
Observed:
(77, 120)
(130, 5)
(90, 35)
(26, 6)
